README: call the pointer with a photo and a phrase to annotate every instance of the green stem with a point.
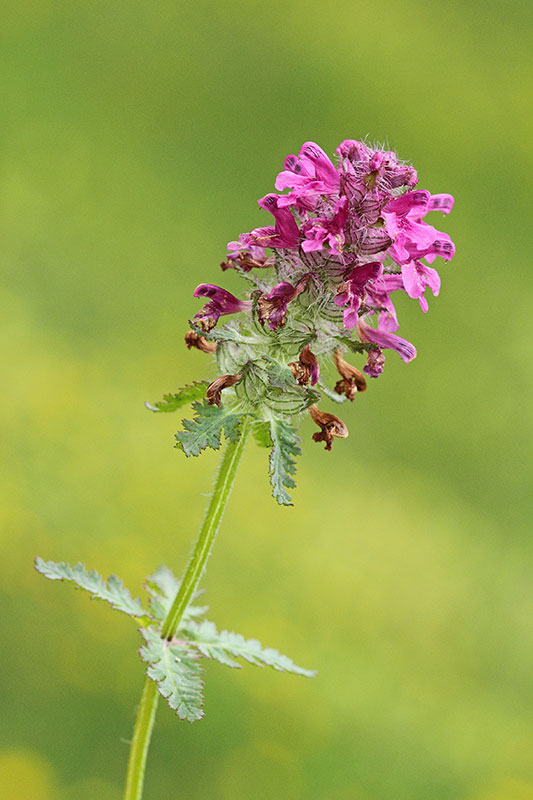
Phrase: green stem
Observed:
(140, 743)
(195, 568)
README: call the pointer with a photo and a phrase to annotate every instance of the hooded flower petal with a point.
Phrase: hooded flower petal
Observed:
(353, 290)
(221, 302)
(441, 202)
(325, 171)
(287, 232)
(386, 340)
(272, 307)
(416, 276)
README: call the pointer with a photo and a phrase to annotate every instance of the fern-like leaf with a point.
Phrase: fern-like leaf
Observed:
(285, 445)
(225, 647)
(261, 433)
(163, 587)
(205, 430)
(184, 396)
(177, 673)
(112, 591)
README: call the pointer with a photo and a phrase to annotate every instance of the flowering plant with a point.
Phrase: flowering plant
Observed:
(321, 280)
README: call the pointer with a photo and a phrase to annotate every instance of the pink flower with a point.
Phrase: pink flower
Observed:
(272, 307)
(374, 363)
(221, 302)
(320, 229)
(411, 237)
(416, 276)
(386, 340)
(353, 289)
(285, 233)
(309, 176)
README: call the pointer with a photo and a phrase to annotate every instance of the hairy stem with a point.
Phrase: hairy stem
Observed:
(148, 705)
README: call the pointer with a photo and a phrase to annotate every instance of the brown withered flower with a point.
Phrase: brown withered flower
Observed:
(213, 392)
(306, 367)
(247, 261)
(352, 380)
(330, 426)
(193, 339)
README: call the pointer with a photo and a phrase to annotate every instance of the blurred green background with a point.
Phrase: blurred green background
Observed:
(136, 138)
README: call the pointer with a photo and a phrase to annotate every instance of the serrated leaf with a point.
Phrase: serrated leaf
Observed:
(177, 673)
(163, 587)
(184, 396)
(226, 646)
(205, 430)
(261, 433)
(112, 591)
(285, 445)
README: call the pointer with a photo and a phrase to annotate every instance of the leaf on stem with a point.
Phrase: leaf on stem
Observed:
(163, 587)
(225, 647)
(205, 430)
(112, 591)
(175, 669)
(184, 396)
(286, 445)
(261, 433)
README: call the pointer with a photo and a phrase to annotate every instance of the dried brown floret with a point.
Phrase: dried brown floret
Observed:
(330, 426)
(193, 339)
(306, 367)
(214, 390)
(352, 380)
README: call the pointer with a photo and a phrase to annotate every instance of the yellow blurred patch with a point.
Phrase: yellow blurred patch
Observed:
(509, 790)
(89, 789)
(262, 770)
(26, 776)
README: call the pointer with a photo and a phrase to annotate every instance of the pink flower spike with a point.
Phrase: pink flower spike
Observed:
(388, 341)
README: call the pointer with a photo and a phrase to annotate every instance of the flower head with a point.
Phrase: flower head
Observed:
(349, 235)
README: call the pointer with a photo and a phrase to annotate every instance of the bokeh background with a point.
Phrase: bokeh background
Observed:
(136, 138)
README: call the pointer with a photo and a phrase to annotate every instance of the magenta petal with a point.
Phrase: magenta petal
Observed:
(323, 166)
(225, 302)
(288, 233)
(441, 202)
(415, 203)
(388, 341)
